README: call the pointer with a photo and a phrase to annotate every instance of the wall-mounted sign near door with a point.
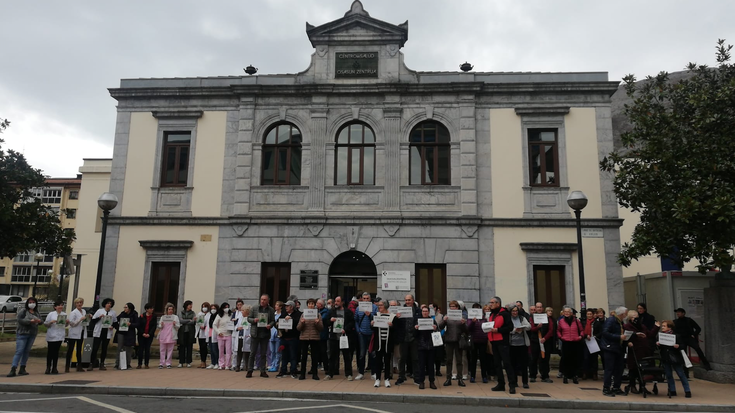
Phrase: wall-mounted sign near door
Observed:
(309, 279)
(356, 64)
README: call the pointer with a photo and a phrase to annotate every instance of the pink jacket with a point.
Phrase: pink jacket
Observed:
(567, 332)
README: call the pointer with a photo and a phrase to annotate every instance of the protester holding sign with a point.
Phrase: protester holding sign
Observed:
(202, 330)
(363, 317)
(77, 334)
(126, 324)
(478, 351)
(519, 343)
(672, 358)
(56, 330)
(242, 328)
(147, 323)
(221, 330)
(426, 348)
(383, 342)
(454, 331)
(261, 320)
(309, 339)
(169, 325)
(613, 353)
(104, 317)
(499, 337)
(289, 338)
(341, 324)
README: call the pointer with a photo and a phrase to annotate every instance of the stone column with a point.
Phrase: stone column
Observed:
(719, 317)
(392, 118)
(318, 158)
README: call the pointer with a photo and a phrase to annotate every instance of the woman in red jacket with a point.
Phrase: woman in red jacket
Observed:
(570, 332)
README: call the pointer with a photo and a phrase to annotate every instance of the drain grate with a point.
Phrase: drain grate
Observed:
(80, 382)
(535, 395)
(590, 388)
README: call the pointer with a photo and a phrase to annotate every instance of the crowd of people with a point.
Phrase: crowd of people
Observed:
(408, 341)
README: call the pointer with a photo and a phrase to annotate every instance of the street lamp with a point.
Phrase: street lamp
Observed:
(577, 201)
(106, 202)
(38, 258)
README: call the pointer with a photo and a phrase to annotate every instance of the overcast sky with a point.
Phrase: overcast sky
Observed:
(59, 57)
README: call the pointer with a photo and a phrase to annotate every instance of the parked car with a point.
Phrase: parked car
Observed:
(10, 303)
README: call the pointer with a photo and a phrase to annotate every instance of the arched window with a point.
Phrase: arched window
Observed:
(429, 154)
(281, 156)
(355, 155)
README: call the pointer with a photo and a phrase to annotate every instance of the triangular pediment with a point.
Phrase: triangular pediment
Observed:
(357, 27)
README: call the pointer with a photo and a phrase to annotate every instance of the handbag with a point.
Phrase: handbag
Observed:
(344, 342)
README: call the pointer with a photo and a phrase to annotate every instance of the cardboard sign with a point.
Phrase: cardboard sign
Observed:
(405, 312)
(666, 339)
(365, 307)
(106, 321)
(124, 324)
(540, 319)
(311, 314)
(393, 309)
(284, 324)
(474, 313)
(339, 325)
(380, 322)
(425, 324)
(454, 314)
(262, 319)
(486, 327)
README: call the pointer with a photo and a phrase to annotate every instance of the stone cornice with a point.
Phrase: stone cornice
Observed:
(548, 246)
(366, 220)
(165, 244)
(158, 114)
(542, 110)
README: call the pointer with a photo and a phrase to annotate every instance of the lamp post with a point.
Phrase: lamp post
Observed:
(106, 202)
(38, 258)
(577, 201)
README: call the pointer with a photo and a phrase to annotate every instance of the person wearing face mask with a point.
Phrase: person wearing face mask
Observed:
(238, 334)
(54, 336)
(77, 334)
(147, 324)
(102, 338)
(212, 338)
(187, 332)
(201, 333)
(25, 335)
(221, 330)
(169, 325)
(639, 344)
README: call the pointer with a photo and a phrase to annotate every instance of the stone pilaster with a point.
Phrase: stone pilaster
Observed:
(468, 154)
(392, 118)
(318, 157)
(243, 168)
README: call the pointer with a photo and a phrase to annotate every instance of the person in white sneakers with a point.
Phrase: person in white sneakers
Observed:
(382, 344)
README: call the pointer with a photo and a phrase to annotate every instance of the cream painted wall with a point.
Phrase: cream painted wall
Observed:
(582, 158)
(511, 279)
(95, 181)
(208, 164)
(141, 160)
(201, 265)
(506, 158)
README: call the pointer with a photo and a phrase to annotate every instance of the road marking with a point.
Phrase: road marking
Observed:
(39, 400)
(106, 406)
(285, 409)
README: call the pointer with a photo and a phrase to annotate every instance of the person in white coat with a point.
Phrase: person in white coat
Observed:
(105, 315)
(202, 330)
(56, 331)
(77, 333)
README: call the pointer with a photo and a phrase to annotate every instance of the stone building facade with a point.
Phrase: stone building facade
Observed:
(316, 183)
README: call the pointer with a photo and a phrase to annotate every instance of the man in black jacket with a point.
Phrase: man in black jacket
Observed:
(290, 340)
(338, 311)
(613, 353)
(690, 330)
(407, 341)
(499, 337)
(260, 334)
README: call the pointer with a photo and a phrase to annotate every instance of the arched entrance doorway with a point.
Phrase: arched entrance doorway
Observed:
(350, 272)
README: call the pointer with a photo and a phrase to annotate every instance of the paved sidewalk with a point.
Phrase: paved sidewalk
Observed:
(707, 396)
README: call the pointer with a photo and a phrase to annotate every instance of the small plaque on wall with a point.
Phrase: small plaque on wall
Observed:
(309, 279)
(355, 64)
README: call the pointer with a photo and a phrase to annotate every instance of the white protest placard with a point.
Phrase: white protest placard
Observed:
(592, 345)
(405, 312)
(396, 280)
(488, 314)
(124, 324)
(665, 339)
(365, 307)
(486, 327)
(425, 323)
(338, 326)
(628, 334)
(454, 314)
(200, 320)
(166, 319)
(262, 319)
(106, 320)
(540, 319)
(393, 309)
(432, 312)
(380, 322)
(344, 343)
(284, 324)
(474, 313)
(311, 314)
(230, 326)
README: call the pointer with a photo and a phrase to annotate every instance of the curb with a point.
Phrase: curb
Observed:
(527, 403)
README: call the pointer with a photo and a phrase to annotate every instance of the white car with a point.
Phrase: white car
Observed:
(9, 303)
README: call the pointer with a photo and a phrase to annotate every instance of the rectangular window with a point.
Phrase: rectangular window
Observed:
(275, 280)
(2, 271)
(543, 157)
(21, 290)
(175, 166)
(22, 274)
(51, 196)
(74, 194)
(164, 285)
(431, 284)
(549, 286)
(71, 213)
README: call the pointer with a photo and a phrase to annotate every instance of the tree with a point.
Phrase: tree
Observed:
(25, 223)
(677, 167)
